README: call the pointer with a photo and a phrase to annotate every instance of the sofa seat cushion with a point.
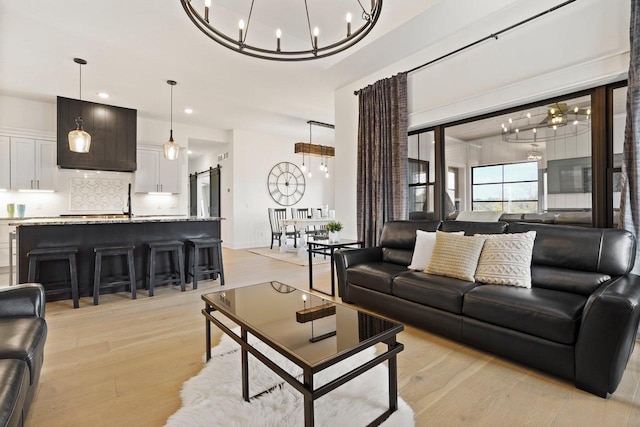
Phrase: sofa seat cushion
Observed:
(14, 387)
(21, 338)
(544, 313)
(377, 276)
(432, 290)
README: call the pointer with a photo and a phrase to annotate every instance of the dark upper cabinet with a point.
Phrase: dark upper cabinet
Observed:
(113, 136)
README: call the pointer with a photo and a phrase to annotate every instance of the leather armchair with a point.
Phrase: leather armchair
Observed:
(23, 332)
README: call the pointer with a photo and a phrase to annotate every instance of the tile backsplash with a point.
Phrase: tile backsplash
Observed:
(97, 194)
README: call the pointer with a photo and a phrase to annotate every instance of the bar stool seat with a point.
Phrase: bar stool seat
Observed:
(176, 274)
(130, 279)
(213, 267)
(67, 253)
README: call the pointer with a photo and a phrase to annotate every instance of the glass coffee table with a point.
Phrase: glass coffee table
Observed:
(310, 331)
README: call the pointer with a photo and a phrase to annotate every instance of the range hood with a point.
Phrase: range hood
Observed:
(113, 136)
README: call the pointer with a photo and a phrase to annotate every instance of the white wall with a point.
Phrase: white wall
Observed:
(253, 156)
(532, 62)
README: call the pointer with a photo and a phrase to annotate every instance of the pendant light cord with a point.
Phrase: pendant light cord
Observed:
(80, 65)
(171, 109)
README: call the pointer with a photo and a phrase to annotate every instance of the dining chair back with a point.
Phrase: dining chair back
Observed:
(275, 215)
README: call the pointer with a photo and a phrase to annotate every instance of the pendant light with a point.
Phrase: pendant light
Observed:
(79, 140)
(171, 149)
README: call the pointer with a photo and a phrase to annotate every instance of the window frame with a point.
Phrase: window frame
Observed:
(502, 201)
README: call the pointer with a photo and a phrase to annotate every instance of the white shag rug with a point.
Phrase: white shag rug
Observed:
(214, 396)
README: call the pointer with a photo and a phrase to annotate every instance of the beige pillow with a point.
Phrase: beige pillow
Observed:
(506, 259)
(423, 250)
(455, 256)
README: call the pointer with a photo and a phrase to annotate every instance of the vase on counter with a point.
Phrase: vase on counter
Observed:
(334, 236)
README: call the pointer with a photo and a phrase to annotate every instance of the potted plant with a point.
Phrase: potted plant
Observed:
(334, 227)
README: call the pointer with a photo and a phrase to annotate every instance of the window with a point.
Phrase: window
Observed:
(507, 187)
(420, 174)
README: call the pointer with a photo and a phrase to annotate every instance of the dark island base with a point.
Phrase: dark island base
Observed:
(88, 236)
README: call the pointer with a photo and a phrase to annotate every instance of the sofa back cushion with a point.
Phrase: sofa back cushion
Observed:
(601, 250)
(471, 227)
(399, 238)
(562, 279)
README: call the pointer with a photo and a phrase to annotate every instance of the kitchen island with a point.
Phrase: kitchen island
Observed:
(87, 232)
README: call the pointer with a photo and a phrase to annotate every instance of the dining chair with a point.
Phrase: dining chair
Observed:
(302, 213)
(275, 215)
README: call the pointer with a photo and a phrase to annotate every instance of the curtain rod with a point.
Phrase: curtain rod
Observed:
(490, 36)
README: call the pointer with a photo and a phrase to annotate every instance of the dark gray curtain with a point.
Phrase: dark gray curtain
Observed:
(630, 200)
(382, 156)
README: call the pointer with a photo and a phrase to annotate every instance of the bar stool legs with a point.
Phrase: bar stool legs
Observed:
(56, 254)
(176, 275)
(214, 265)
(114, 251)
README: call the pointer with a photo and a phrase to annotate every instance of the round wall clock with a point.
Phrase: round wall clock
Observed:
(286, 184)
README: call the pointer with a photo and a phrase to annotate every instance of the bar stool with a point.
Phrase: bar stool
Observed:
(116, 280)
(176, 275)
(214, 264)
(67, 253)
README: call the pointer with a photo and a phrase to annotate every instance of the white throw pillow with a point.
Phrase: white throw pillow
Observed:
(455, 256)
(425, 241)
(506, 259)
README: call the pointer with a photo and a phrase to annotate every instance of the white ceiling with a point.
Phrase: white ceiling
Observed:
(133, 47)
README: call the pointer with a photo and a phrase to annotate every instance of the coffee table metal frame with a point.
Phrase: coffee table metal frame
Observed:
(306, 387)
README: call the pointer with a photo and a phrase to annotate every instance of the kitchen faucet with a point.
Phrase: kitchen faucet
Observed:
(128, 212)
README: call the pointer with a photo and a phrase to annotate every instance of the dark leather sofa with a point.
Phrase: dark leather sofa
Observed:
(23, 332)
(578, 321)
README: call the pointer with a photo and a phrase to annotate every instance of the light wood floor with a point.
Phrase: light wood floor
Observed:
(124, 362)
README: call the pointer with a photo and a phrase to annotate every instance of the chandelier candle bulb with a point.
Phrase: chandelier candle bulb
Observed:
(207, 5)
(278, 35)
(316, 32)
(348, 25)
(240, 29)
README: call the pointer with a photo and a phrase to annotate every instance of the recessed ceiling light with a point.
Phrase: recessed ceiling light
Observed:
(189, 152)
(103, 95)
(188, 110)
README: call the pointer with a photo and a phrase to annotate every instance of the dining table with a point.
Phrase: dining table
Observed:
(301, 239)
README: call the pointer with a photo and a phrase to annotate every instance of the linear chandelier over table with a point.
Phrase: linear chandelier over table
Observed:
(276, 48)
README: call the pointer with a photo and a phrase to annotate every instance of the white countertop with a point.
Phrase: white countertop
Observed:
(78, 220)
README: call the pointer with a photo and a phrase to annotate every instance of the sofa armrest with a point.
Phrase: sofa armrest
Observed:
(346, 258)
(25, 300)
(607, 335)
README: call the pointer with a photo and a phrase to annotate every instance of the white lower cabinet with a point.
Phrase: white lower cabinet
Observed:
(5, 229)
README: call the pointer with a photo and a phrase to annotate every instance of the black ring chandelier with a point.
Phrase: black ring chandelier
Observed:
(239, 44)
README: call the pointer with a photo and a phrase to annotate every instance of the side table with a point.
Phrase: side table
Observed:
(325, 247)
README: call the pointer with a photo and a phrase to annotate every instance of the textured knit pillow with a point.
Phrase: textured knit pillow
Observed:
(506, 259)
(455, 256)
(425, 241)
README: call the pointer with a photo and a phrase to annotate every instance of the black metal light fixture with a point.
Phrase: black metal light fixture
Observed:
(278, 53)
(171, 149)
(311, 149)
(542, 125)
(79, 140)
